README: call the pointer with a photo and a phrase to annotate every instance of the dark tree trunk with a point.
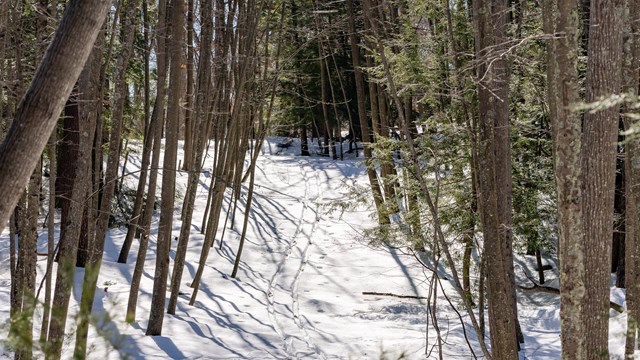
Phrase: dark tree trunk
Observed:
(304, 145)
(189, 124)
(68, 153)
(540, 266)
(494, 167)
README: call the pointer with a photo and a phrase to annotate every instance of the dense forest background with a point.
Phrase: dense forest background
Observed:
(487, 127)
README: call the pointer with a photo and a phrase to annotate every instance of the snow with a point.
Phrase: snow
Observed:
(299, 291)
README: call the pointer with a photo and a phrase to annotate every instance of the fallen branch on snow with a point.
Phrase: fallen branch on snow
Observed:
(552, 290)
(393, 295)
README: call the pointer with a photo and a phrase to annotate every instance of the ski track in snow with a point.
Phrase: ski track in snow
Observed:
(282, 298)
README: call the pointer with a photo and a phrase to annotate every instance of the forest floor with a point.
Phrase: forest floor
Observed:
(300, 290)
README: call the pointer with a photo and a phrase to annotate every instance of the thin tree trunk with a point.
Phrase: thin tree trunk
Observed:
(304, 145)
(50, 239)
(482, 291)
(156, 316)
(147, 55)
(200, 118)
(136, 220)
(540, 266)
(22, 323)
(155, 131)
(324, 87)
(618, 238)
(189, 123)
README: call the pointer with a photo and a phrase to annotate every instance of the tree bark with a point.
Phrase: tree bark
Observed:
(503, 170)
(39, 109)
(68, 149)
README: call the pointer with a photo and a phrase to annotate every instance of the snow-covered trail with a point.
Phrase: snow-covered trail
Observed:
(299, 289)
(282, 293)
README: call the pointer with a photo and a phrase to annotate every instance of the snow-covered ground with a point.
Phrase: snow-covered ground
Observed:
(299, 291)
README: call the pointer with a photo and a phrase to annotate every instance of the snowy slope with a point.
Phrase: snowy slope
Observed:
(299, 292)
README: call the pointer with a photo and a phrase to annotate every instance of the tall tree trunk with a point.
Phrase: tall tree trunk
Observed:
(599, 136)
(324, 89)
(618, 238)
(136, 219)
(155, 132)
(503, 171)
(156, 315)
(21, 323)
(492, 94)
(632, 182)
(562, 95)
